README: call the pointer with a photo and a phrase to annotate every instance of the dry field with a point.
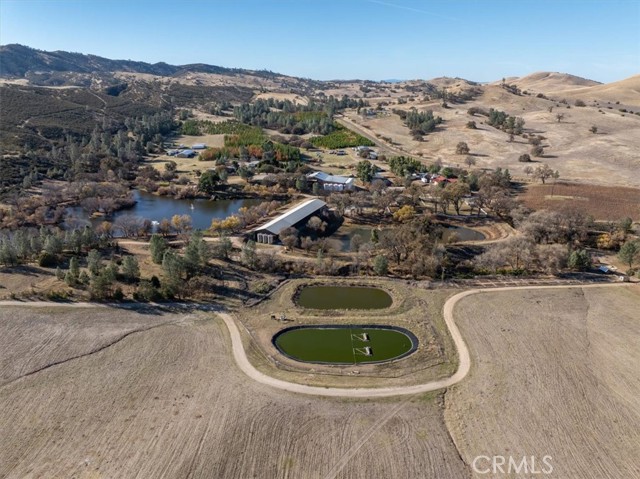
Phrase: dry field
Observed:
(554, 372)
(626, 91)
(546, 82)
(603, 203)
(169, 402)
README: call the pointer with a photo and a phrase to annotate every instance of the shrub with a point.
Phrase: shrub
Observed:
(56, 295)
(537, 151)
(47, 260)
(462, 148)
(380, 265)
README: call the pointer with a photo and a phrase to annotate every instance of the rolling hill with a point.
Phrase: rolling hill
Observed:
(545, 82)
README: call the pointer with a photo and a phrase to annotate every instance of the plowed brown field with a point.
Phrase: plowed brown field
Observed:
(170, 402)
(554, 372)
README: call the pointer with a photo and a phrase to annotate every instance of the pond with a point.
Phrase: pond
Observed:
(358, 344)
(155, 208)
(460, 233)
(341, 240)
(343, 297)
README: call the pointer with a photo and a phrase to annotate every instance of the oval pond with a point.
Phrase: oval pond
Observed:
(343, 297)
(345, 344)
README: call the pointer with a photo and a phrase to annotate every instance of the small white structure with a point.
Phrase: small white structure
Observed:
(199, 146)
(366, 351)
(186, 154)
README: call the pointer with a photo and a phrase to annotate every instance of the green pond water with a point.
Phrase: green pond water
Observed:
(343, 297)
(343, 345)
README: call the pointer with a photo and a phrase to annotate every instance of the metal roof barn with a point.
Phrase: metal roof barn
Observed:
(327, 178)
(292, 216)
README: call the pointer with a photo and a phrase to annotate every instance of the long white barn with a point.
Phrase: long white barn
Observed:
(269, 232)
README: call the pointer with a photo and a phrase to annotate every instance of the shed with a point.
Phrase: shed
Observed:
(186, 154)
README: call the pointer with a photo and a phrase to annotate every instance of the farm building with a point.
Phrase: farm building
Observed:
(332, 182)
(186, 154)
(199, 146)
(294, 216)
(443, 179)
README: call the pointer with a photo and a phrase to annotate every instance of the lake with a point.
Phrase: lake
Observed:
(156, 208)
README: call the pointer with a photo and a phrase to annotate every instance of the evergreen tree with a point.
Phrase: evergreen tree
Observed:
(157, 247)
(74, 268)
(249, 257)
(173, 269)
(579, 260)
(130, 268)
(94, 261)
(365, 171)
(630, 252)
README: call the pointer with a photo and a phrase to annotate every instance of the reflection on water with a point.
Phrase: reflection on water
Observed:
(343, 297)
(341, 240)
(156, 208)
(460, 233)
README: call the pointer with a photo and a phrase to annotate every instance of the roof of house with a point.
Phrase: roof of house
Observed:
(327, 178)
(187, 152)
(440, 179)
(199, 146)
(292, 216)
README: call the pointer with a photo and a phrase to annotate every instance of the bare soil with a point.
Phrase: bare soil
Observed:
(169, 402)
(554, 372)
(602, 202)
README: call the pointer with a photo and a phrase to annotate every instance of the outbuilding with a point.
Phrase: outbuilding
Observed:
(332, 182)
(295, 216)
(186, 154)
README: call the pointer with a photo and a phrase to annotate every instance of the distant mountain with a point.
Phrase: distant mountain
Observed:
(19, 61)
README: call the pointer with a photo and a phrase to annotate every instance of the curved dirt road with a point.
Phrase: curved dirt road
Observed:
(463, 354)
(247, 368)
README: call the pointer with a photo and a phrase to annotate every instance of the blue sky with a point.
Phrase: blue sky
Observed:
(327, 39)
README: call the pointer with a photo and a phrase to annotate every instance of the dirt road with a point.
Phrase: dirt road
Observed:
(464, 364)
(463, 356)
